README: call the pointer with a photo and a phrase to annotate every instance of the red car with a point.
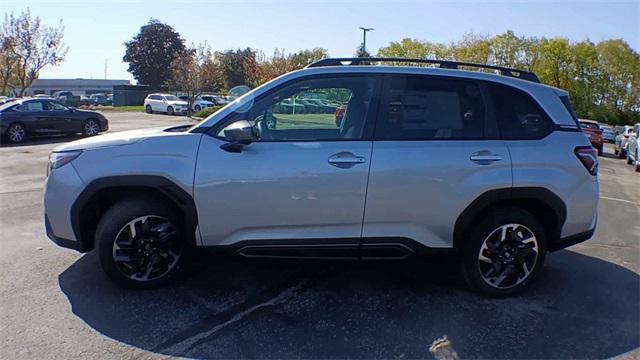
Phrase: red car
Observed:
(339, 114)
(592, 130)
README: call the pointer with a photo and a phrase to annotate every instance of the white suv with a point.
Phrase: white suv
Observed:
(493, 167)
(165, 103)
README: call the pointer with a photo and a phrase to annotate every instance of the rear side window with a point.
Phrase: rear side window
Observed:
(154, 97)
(518, 115)
(420, 108)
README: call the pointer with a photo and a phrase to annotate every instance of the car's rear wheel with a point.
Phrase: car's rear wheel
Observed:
(148, 109)
(504, 252)
(16, 133)
(170, 110)
(91, 127)
(197, 108)
(141, 243)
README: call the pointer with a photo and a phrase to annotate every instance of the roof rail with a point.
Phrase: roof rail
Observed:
(444, 64)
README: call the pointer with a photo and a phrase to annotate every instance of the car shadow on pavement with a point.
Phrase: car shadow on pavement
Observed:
(40, 140)
(580, 307)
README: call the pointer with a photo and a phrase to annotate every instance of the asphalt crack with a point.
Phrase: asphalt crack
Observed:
(206, 329)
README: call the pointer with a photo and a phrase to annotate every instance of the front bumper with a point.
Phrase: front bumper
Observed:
(62, 242)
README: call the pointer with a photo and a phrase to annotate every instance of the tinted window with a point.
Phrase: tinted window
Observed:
(54, 106)
(154, 97)
(588, 125)
(431, 109)
(518, 115)
(292, 114)
(32, 106)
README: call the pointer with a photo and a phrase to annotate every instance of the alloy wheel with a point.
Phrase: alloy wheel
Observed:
(147, 248)
(508, 256)
(91, 128)
(16, 133)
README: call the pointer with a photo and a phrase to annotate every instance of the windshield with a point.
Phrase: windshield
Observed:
(171, 98)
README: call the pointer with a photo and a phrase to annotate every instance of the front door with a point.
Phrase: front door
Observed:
(435, 150)
(304, 178)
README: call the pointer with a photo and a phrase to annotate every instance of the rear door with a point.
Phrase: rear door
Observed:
(36, 118)
(435, 150)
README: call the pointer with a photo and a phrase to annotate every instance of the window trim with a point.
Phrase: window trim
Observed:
(370, 121)
(490, 124)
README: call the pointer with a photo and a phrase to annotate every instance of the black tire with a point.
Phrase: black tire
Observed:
(197, 108)
(148, 109)
(637, 161)
(16, 133)
(615, 152)
(170, 110)
(621, 154)
(475, 238)
(600, 149)
(91, 127)
(117, 219)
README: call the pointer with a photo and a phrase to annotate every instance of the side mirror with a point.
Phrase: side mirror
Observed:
(72, 109)
(238, 134)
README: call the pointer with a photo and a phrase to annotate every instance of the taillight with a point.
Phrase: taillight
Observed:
(588, 156)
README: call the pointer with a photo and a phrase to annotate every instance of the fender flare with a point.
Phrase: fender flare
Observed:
(170, 189)
(493, 197)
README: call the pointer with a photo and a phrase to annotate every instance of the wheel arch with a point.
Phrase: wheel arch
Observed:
(101, 194)
(545, 205)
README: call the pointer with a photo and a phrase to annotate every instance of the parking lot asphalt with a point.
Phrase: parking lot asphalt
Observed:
(56, 303)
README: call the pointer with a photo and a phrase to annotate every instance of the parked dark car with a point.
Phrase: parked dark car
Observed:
(26, 117)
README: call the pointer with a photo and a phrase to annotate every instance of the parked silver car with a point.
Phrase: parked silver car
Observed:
(493, 167)
(621, 141)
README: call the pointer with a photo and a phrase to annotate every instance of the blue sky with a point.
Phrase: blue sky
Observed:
(96, 30)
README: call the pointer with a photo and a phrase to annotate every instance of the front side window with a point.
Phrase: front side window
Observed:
(54, 106)
(171, 98)
(420, 108)
(518, 115)
(307, 110)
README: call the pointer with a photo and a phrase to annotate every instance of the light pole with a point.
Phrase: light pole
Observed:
(364, 37)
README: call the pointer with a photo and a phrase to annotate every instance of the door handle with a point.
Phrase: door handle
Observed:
(346, 159)
(485, 157)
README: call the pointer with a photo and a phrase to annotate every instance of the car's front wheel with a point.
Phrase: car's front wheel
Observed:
(148, 109)
(170, 110)
(91, 127)
(197, 108)
(141, 243)
(504, 252)
(16, 133)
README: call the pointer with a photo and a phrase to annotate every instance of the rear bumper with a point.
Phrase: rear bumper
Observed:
(567, 241)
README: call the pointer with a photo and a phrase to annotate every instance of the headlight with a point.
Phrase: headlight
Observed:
(57, 159)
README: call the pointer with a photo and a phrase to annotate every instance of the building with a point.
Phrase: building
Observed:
(76, 86)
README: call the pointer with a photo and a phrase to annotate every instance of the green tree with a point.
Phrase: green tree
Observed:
(506, 50)
(472, 48)
(151, 52)
(619, 68)
(239, 67)
(556, 62)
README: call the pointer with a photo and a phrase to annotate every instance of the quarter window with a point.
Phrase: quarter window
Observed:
(419, 108)
(518, 115)
(32, 106)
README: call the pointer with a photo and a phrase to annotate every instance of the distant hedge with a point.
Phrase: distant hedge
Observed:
(208, 111)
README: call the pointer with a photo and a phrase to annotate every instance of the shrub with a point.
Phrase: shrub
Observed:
(208, 111)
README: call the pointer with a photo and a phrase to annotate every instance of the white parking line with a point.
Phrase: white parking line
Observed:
(621, 200)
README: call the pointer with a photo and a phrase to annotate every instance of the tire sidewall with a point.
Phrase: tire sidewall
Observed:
(476, 236)
(170, 110)
(148, 109)
(115, 219)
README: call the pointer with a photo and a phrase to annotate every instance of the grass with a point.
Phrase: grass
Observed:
(123, 108)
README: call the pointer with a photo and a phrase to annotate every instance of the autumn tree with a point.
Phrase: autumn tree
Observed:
(151, 52)
(27, 47)
(194, 72)
(239, 67)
